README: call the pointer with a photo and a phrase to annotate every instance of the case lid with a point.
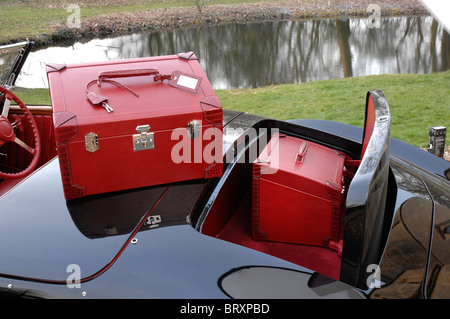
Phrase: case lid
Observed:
(302, 165)
(176, 87)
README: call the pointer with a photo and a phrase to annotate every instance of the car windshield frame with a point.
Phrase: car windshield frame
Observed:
(12, 59)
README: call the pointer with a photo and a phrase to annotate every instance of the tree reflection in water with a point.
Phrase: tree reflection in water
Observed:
(259, 54)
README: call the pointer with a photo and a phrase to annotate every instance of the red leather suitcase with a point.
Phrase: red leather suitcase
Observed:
(297, 192)
(134, 123)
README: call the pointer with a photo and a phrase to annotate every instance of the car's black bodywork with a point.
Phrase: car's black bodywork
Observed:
(41, 238)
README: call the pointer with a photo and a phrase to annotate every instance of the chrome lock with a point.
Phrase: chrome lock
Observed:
(144, 140)
(91, 142)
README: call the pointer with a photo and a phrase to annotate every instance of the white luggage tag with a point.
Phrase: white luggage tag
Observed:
(185, 81)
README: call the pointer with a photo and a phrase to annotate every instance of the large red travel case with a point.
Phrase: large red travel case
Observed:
(297, 192)
(134, 123)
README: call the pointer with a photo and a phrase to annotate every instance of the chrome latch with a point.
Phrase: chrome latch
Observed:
(153, 221)
(144, 140)
(91, 142)
(193, 129)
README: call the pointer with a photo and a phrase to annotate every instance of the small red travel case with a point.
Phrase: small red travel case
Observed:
(297, 192)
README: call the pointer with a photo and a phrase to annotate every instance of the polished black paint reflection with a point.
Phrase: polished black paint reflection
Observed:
(171, 262)
(112, 214)
(43, 237)
(403, 268)
(262, 282)
(119, 213)
(367, 211)
(40, 238)
(416, 261)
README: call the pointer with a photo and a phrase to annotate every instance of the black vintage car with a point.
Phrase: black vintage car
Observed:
(193, 239)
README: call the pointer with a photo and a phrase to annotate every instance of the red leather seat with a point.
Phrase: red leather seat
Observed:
(16, 157)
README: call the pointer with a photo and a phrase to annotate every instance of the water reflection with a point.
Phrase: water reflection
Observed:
(260, 54)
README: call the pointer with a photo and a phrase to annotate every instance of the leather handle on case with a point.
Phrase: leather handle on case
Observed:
(301, 152)
(105, 76)
(126, 73)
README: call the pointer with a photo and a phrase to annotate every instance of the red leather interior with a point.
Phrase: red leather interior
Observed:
(369, 123)
(238, 230)
(14, 158)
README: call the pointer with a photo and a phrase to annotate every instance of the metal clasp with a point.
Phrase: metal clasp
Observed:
(144, 140)
(153, 221)
(91, 142)
(193, 129)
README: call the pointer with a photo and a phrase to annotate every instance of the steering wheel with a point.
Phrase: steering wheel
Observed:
(7, 134)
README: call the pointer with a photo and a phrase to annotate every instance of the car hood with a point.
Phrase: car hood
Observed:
(45, 237)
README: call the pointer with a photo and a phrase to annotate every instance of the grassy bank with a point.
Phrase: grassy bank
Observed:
(50, 20)
(28, 19)
(417, 102)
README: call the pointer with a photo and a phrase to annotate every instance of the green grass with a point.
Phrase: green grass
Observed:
(27, 19)
(33, 96)
(417, 102)
(20, 20)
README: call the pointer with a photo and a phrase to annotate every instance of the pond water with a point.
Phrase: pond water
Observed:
(260, 54)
